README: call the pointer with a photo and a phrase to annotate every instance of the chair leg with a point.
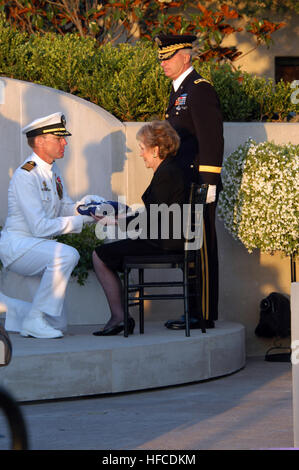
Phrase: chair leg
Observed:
(126, 302)
(141, 302)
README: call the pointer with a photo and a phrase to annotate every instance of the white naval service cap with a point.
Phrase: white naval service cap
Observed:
(52, 124)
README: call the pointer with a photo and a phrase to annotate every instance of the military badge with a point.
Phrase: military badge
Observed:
(200, 80)
(180, 102)
(59, 187)
(45, 187)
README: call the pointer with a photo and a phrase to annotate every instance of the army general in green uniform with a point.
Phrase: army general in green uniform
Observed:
(194, 112)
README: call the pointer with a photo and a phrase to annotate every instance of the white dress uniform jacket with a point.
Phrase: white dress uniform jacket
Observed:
(39, 208)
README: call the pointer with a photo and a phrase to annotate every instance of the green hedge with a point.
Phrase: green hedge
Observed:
(245, 97)
(127, 80)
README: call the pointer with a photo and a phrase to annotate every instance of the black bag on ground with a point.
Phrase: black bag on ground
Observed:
(275, 317)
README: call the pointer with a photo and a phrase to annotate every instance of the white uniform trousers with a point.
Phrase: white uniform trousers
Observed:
(54, 262)
(16, 310)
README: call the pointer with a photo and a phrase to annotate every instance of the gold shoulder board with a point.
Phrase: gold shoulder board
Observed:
(28, 166)
(199, 80)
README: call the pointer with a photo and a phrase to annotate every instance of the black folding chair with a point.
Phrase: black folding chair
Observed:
(188, 262)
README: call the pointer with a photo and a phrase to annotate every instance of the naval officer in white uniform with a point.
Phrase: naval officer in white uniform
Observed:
(39, 209)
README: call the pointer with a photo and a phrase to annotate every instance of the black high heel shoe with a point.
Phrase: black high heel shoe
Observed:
(111, 331)
(131, 325)
(114, 330)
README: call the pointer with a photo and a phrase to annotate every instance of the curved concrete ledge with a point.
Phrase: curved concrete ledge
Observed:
(82, 364)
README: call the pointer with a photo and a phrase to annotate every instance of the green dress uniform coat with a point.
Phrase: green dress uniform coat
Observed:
(194, 112)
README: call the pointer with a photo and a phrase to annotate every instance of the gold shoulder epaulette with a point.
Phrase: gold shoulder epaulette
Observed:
(28, 166)
(199, 80)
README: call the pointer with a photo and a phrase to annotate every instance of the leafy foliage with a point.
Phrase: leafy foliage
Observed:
(254, 7)
(127, 79)
(245, 97)
(259, 203)
(111, 21)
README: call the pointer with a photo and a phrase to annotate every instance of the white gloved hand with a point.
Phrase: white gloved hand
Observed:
(211, 194)
(89, 198)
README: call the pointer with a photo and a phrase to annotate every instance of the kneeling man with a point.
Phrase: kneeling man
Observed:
(39, 209)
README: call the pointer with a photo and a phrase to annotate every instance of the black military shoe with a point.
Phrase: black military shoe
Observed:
(194, 324)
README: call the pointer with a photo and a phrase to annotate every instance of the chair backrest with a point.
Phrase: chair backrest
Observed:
(194, 220)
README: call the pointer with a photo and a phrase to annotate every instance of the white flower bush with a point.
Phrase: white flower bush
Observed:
(259, 203)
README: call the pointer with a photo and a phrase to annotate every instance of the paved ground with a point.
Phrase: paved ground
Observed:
(250, 409)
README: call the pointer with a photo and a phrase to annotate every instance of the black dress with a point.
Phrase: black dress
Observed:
(167, 188)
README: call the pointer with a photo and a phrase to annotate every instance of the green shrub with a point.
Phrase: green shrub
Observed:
(273, 100)
(11, 41)
(127, 80)
(236, 103)
(245, 97)
(57, 61)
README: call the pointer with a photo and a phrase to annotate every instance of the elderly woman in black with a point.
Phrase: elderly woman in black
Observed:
(158, 143)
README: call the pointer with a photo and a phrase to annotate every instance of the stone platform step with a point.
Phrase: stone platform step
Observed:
(80, 364)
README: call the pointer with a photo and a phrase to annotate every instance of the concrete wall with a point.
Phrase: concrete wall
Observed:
(102, 158)
(98, 140)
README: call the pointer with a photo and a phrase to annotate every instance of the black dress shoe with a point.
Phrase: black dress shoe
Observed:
(114, 330)
(194, 324)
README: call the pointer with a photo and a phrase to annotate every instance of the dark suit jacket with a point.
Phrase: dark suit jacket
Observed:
(194, 112)
(167, 187)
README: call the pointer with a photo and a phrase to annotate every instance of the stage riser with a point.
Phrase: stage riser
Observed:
(81, 364)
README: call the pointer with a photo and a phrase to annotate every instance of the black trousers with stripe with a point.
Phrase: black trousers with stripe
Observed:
(209, 270)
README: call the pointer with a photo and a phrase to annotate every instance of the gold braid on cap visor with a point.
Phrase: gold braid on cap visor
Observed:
(168, 51)
(47, 131)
